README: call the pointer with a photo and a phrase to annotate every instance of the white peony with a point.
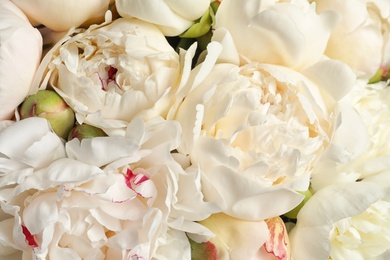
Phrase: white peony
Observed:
(362, 38)
(357, 226)
(173, 17)
(256, 132)
(346, 229)
(111, 73)
(372, 158)
(61, 15)
(18, 60)
(108, 197)
(364, 236)
(288, 33)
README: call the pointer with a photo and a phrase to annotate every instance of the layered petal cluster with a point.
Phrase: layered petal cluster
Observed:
(288, 33)
(257, 131)
(361, 39)
(106, 197)
(173, 17)
(18, 60)
(357, 226)
(109, 74)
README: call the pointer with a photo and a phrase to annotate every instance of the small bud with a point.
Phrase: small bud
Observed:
(203, 251)
(85, 131)
(49, 105)
(382, 74)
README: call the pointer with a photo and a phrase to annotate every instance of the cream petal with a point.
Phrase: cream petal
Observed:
(16, 58)
(171, 16)
(62, 15)
(236, 238)
(100, 151)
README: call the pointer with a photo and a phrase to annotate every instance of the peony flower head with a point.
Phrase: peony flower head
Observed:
(325, 228)
(18, 60)
(257, 131)
(109, 74)
(107, 197)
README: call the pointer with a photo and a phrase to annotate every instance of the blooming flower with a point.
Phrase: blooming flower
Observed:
(356, 226)
(361, 39)
(16, 57)
(322, 223)
(109, 74)
(62, 15)
(172, 17)
(257, 131)
(288, 33)
(364, 236)
(115, 197)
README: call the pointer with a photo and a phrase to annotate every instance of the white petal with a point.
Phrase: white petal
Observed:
(18, 61)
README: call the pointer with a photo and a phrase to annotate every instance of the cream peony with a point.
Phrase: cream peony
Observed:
(61, 15)
(173, 17)
(110, 198)
(18, 60)
(370, 139)
(357, 226)
(288, 33)
(256, 132)
(109, 74)
(346, 229)
(362, 39)
(364, 236)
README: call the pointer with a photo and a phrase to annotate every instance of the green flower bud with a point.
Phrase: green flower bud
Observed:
(85, 131)
(49, 105)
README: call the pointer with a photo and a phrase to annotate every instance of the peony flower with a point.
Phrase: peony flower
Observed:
(356, 227)
(364, 236)
(361, 39)
(173, 17)
(256, 132)
(109, 74)
(18, 60)
(288, 33)
(109, 197)
(352, 228)
(370, 139)
(61, 15)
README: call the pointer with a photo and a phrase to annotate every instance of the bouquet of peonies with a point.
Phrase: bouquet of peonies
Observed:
(179, 129)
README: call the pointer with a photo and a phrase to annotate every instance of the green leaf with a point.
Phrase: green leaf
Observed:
(200, 28)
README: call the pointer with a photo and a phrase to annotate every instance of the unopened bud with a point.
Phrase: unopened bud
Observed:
(85, 131)
(49, 105)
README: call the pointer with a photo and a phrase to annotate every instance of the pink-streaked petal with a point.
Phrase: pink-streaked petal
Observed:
(277, 243)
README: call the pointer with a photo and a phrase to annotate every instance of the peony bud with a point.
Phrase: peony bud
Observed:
(382, 73)
(49, 105)
(203, 251)
(85, 131)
